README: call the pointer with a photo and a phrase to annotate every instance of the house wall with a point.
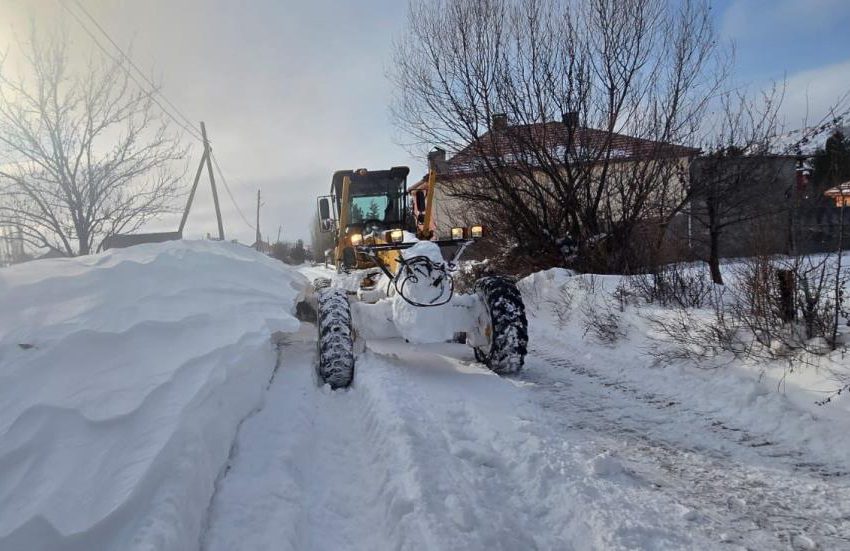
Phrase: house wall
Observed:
(452, 211)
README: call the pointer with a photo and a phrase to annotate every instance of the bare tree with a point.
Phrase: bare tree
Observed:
(86, 154)
(572, 80)
(737, 180)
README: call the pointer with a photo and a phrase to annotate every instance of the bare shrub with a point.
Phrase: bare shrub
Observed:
(603, 322)
(816, 297)
(790, 304)
(683, 335)
(469, 272)
(673, 285)
(601, 313)
(566, 302)
(562, 305)
(758, 302)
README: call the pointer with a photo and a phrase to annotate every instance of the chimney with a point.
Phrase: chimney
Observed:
(500, 121)
(437, 159)
(570, 119)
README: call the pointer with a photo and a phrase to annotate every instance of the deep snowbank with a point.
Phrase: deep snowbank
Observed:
(123, 378)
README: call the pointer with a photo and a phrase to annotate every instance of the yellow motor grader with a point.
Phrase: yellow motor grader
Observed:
(388, 247)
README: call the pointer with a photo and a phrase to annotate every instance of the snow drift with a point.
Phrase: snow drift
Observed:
(123, 378)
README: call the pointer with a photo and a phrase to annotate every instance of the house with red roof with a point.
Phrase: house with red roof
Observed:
(508, 147)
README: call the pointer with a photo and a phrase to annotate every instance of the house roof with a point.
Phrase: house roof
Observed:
(507, 143)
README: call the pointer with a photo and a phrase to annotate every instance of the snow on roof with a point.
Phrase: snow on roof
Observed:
(842, 189)
(806, 140)
(516, 145)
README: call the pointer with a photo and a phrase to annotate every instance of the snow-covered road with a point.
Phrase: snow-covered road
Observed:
(429, 450)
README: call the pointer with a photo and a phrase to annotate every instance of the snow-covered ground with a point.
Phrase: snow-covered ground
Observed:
(742, 447)
(589, 448)
(120, 425)
(123, 378)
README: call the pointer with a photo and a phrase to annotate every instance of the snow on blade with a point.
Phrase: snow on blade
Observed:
(123, 377)
(433, 323)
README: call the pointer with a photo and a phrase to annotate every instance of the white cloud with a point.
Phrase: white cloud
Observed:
(810, 94)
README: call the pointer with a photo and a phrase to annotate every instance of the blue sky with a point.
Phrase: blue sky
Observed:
(291, 90)
(778, 36)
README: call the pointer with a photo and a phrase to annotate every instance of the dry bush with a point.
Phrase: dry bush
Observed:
(562, 305)
(468, 273)
(799, 315)
(673, 285)
(693, 337)
(565, 302)
(757, 301)
(603, 322)
(601, 312)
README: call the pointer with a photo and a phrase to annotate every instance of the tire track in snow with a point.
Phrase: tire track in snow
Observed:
(466, 487)
(423, 452)
(725, 477)
(769, 449)
(520, 484)
(312, 470)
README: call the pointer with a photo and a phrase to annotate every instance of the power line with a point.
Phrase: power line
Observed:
(229, 194)
(151, 92)
(186, 124)
(132, 64)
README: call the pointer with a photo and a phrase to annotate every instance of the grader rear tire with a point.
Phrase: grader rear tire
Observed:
(336, 342)
(508, 342)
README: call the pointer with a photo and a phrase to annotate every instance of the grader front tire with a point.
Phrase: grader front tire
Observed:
(336, 340)
(508, 341)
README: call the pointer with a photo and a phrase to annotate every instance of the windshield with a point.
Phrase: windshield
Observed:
(377, 200)
(372, 207)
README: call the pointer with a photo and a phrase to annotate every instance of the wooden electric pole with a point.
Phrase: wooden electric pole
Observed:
(205, 161)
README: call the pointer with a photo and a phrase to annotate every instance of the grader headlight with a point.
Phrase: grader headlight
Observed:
(397, 236)
(457, 233)
(476, 232)
(356, 239)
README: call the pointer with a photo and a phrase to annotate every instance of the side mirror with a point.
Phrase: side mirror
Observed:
(326, 222)
(324, 209)
(420, 200)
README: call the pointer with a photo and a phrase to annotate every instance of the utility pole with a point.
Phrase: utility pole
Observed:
(258, 219)
(205, 160)
(212, 182)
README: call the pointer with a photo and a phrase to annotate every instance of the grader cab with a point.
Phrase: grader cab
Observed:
(394, 255)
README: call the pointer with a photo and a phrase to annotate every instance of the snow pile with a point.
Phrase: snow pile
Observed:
(123, 378)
